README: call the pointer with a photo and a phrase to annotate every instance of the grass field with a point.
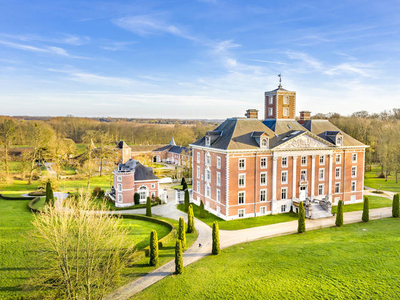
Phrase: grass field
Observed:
(242, 223)
(17, 255)
(372, 181)
(357, 261)
(374, 202)
(179, 187)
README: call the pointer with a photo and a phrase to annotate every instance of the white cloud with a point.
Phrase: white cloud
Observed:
(66, 38)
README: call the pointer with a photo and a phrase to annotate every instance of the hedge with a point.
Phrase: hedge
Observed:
(31, 203)
(16, 197)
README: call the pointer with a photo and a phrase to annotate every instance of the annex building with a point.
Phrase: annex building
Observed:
(249, 167)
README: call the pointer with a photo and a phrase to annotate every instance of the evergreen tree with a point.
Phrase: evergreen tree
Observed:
(153, 248)
(49, 194)
(190, 220)
(148, 207)
(187, 200)
(215, 239)
(339, 215)
(184, 186)
(202, 211)
(396, 206)
(365, 214)
(178, 257)
(302, 219)
(183, 181)
(136, 198)
(182, 232)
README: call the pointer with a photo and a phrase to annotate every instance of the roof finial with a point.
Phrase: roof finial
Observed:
(280, 80)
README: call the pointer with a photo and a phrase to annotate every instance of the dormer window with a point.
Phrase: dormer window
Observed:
(264, 143)
(339, 140)
(208, 141)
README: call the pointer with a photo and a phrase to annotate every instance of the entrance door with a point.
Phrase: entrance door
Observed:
(303, 193)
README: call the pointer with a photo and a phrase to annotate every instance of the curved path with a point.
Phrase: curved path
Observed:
(229, 238)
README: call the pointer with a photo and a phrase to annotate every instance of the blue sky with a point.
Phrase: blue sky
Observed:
(196, 59)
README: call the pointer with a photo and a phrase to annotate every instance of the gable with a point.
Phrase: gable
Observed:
(301, 142)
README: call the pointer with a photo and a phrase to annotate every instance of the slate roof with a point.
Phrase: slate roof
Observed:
(282, 126)
(141, 172)
(179, 149)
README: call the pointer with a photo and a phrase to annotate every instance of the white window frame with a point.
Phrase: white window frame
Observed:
(286, 111)
(208, 175)
(339, 140)
(263, 162)
(153, 185)
(198, 186)
(305, 175)
(263, 210)
(198, 171)
(321, 188)
(283, 208)
(240, 165)
(241, 213)
(119, 178)
(119, 187)
(354, 168)
(286, 193)
(270, 112)
(286, 100)
(198, 156)
(322, 159)
(218, 195)
(353, 186)
(354, 158)
(270, 100)
(208, 158)
(218, 178)
(208, 191)
(119, 198)
(284, 159)
(304, 164)
(242, 193)
(336, 172)
(263, 192)
(263, 174)
(323, 174)
(218, 162)
(244, 180)
(264, 143)
(337, 184)
(208, 141)
(338, 158)
(286, 177)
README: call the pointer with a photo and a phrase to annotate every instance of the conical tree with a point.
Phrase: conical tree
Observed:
(49, 194)
(178, 257)
(182, 232)
(184, 186)
(339, 215)
(190, 220)
(396, 206)
(302, 219)
(365, 214)
(187, 200)
(202, 211)
(215, 239)
(148, 207)
(153, 248)
(183, 181)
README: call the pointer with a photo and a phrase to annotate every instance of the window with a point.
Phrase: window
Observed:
(353, 171)
(119, 198)
(263, 195)
(337, 173)
(320, 189)
(283, 208)
(242, 164)
(263, 210)
(303, 175)
(218, 178)
(322, 159)
(119, 178)
(354, 158)
(284, 162)
(353, 198)
(285, 112)
(353, 186)
(286, 100)
(264, 143)
(198, 186)
(321, 174)
(208, 175)
(338, 158)
(153, 186)
(198, 172)
(208, 191)
(242, 180)
(271, 100)
(263, 178)
(241, 213)
(270, 111)
(208, 159)
(119, 187)
(218, 162)
(304, 161)
(284, 193)
(263, 162)
(284, 177)
(198, 157)
(241, 197)
(337, 187)
(218, 195)
(339, 141)
(208, 141)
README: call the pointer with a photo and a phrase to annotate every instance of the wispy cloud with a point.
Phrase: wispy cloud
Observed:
(66, 38)
(117, 46)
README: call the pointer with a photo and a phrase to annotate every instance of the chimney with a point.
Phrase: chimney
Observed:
(304, 116)
(252, 113)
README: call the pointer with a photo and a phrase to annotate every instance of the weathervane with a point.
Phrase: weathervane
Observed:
(280, 79)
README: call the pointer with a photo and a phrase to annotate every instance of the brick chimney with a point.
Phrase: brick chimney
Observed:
(304, 116)
(252, 114)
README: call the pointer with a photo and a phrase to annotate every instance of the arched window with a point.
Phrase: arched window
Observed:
(143, 193)
(264, 143)
(339, 141)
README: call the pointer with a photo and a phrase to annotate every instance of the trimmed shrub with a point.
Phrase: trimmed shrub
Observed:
(153, 248)
(301, 228)
(182, 232)
(396, 206)
(202, 211)
(215, 239)
(190, 220)
(49, 194)
(339, 215)
(136, 198)
(178, 257)
(183, 181)
(365, 214)
(148, 207)
(187, 200)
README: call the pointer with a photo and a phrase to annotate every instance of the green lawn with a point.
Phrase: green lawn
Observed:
(179, 187)
(242, 223)
(357, 261)
(374, 202)
(372, 181)
(111, 206)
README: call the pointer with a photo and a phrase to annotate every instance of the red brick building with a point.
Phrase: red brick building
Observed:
(248, 167)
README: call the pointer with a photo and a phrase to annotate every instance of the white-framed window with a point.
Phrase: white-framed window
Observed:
(286, 100)
(322, 159)
(241, 197)
(241, 213)
(153, 185)
(198, 186)
(119, 178)
(338, 158)
(264, 143)
(353, 186)
(198, 156)
(263, 195)
(143, 193)
(270, 111)
(271, 100)
(119, 198)
(208, 174)
(218, 178)
(353, 171)
(320, 189)
(263, 178)
(263, 210)
(242, 164)
(283, 193)
(337, 187)
(284, 162)
(286, 112)
(119, 187)
(198, 171)
(354, 158)
(263, 162)
(337, 173)
(218, 195)
(242, 180)
(218, 162)
(284, 177)
(339, 141)
(353, 198)
(208, 191)
(283, 208)
(321, 174)
(303, 175)
(304, 161)
(208, 141)
(208, 159)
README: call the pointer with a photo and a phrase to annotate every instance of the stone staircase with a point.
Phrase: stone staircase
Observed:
(318, 212)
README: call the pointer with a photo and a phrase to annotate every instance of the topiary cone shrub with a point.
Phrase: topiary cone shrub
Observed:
(190, 220)
(182, 232)
(153, 248)
(178, 257)
(396, 206)
(187, 200)
(136, 198)
(202, 211)
(339, 215)
(301, 227)
(148, 207)
(49, 194)
(365, 214)
(215, 239)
